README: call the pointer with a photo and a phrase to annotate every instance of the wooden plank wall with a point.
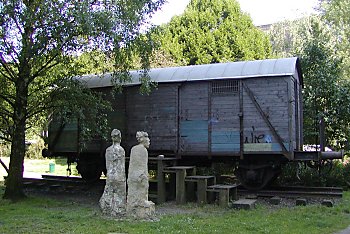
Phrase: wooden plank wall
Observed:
(272, 95)
(194, 117)
(190, 119)
(224, 120)
(156, 114)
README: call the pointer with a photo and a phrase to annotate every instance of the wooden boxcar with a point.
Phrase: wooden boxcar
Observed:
(248, 114)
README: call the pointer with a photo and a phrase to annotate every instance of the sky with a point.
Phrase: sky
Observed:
(261, 11)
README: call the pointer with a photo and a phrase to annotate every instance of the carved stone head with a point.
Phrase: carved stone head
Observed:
(116, 136)
(142, 138)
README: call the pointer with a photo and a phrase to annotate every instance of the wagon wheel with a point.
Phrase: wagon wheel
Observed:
(89, 168)
(256, 179)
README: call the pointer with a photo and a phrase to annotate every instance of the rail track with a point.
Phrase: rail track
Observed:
(296, 191)
(70, 183)
(52, 182)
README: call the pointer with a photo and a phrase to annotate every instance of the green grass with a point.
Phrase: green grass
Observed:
(44, 215)
(41, 166)
(39, 214)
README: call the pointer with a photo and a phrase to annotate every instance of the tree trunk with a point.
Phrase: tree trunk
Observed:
(14, 181)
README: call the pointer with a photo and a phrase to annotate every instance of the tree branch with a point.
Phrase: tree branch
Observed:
(6, 67)
(18, 25)
(5, 113)
(46, 66)
(38, 110)
(4, 165)
(10, 47)
(7, 100)
(5, 138)
(5, 75)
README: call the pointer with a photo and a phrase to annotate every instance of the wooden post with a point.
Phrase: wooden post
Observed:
(161, 195)
(202, 191)
(224, 197)
(180, 186)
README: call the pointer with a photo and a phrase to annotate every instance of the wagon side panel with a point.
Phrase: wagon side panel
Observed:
(225, 122)
(63, 137)
(193, 119)
(155, 113)
(266, 114)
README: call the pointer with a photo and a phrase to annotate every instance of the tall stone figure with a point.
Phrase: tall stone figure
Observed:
(138, 206)
(113, 200)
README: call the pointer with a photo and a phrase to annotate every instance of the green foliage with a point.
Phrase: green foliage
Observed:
(5, 149)
(326, 89)
(334, 173)
(212, 32)
(34, 149)
(326, 92)
(38, 44)
(94, 62)
(46, 215)
(337, 15)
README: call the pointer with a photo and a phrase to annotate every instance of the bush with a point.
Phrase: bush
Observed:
(5, 150)
(336, 173)
(34, 148)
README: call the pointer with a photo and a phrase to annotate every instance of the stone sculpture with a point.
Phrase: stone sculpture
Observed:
(138, 206)
(113, 200)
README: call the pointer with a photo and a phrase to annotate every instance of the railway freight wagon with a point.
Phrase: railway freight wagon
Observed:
(246, 114)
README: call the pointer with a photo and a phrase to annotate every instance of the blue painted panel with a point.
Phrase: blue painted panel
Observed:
(225, 137)
(194, 124)
(194, 131)
(225, 141)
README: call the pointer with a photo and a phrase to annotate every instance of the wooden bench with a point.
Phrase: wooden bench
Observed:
(202, 184)
(226, 193)
(181, 173)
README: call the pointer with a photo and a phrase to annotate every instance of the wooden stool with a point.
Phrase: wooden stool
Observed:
(202, 183)
(226, 193)
(181, 173)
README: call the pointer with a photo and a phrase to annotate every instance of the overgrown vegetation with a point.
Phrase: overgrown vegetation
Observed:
(332, 174)
(322, 44)
(46, 215)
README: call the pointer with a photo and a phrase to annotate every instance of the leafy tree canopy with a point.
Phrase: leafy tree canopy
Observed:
(337, 15)
(326, 88)
(39, 40)
(212, 31)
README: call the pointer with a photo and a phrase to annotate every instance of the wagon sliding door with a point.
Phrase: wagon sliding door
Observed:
(193, 120)
(224, 118)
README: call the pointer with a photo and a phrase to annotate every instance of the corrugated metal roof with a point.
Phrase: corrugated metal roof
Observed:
(232, 70)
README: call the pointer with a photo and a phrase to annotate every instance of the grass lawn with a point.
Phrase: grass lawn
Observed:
(41, 166)
(39, 214)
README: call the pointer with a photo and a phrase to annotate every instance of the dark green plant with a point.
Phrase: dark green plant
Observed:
(34, 149)
(331, 174)
(212, 31)
(326, 86)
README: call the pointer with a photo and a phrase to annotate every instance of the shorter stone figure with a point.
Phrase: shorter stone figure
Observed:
(138, 206)
(113, 200)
